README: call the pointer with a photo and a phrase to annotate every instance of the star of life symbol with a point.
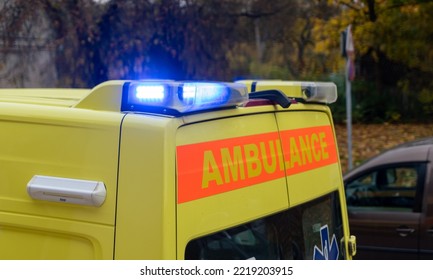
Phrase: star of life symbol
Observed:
(329, 251)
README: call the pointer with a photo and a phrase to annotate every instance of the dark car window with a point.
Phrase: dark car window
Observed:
(387, 188)
(312, 230)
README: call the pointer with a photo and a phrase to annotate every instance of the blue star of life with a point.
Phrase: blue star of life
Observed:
(329, 251)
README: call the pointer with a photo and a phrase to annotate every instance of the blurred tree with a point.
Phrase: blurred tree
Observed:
(225, 39)
(175, 39)
(181, 39)
(394, 51)
(23, 45)
(75, 40)
(124, 33)
(285, 36)
(262, 29)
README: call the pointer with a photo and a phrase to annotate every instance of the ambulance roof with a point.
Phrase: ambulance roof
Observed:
(173, 97)
(51, 97)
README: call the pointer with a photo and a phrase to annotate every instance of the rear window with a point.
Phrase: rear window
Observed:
(309, 231)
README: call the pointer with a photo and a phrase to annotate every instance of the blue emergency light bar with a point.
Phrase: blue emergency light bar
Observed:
(173, 98)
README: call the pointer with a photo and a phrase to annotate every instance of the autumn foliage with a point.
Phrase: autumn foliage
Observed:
(88, 42)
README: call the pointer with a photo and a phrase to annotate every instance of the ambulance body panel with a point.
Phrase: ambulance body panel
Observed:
(170, 178)
(146, 203)
(46, 140)
(313, 154)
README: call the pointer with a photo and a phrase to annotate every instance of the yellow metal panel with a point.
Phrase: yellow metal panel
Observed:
(256, 192)
(145, 226)
(305, 185)
(314, 183)
(104, 97)
(53, 97)
(58, 142)
(32, 237)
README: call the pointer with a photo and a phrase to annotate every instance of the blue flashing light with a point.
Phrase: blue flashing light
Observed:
(141, 95)
(188, 93)
(150, 93)
(173, 98)
(203, 94)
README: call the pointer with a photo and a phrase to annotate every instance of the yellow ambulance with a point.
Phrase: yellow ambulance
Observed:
(161, 169)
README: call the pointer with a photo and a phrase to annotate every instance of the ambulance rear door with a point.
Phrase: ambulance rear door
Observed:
(313, 180)
(229, 171)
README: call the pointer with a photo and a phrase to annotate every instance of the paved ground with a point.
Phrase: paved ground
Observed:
(369, 140)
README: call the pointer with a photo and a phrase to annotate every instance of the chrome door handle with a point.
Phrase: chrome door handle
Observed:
(405, 231)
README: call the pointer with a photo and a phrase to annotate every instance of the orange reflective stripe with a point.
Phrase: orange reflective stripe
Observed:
(209, 168)
(214, 167)
(308, 148)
